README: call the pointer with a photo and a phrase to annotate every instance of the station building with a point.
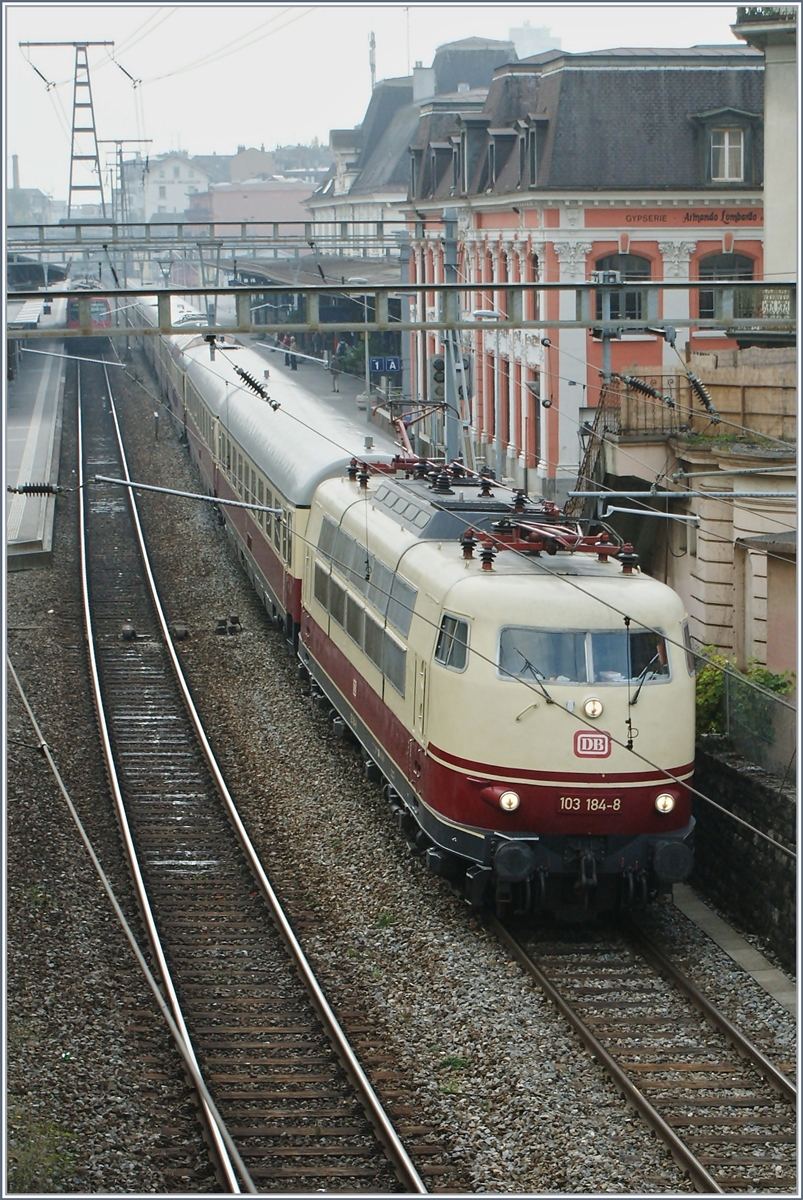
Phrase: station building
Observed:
(644, 162)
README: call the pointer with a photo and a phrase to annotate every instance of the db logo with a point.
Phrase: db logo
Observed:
(590, 743)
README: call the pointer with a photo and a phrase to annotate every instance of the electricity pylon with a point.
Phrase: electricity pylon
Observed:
(84, 144)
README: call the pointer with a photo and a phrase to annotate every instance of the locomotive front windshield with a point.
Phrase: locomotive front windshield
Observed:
(580, 656)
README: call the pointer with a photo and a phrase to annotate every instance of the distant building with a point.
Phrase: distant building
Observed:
(170, 182)
(529, 39)
(272, 201)
(369, 182)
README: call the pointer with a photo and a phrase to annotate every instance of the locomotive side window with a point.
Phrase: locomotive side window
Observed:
(337, 601)
(394, 664)
(691, 662)
(374, 635)
(260, 500)
(277, 527)
(321, 586)
(355, 619)
(379, 586)
(452, 646)
(268, 516)
(401, 604)
(326, 539)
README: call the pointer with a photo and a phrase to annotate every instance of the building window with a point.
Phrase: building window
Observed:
(631, 303)
(175, 172)
(727, 155)
(721, 266)
(491, 164)
(162, 193)
(533, 157)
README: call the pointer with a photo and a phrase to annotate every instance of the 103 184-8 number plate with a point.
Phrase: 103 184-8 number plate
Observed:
(582, 805)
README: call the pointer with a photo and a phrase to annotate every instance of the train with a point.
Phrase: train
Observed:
(521, 690)
(98, 312)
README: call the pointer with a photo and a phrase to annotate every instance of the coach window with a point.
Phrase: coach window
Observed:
(630, 303)
(277, 526)
(452, 646)
(287, 538)
(260, 500)
(268, 516)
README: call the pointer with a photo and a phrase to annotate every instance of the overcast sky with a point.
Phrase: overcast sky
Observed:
(211, 77)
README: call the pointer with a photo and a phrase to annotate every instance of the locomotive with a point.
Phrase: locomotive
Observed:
(99, 312)
(523, 692)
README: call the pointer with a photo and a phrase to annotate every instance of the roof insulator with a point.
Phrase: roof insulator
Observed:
(487, 556)
(628, 558)
(468, 541)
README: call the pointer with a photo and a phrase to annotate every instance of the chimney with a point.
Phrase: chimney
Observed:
(15, 168)
(423, 82)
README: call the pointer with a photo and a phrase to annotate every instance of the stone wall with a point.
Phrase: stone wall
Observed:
(744, 875)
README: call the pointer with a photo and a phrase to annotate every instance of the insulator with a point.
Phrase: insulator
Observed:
(487, 556)
(628, 558)
(351, 470)
(421, 468)
(442, 481)
(519, 500)
(485, 486)
(35, 489)
(468, 541)
(363, 476)
(701, 391)
(254, 384)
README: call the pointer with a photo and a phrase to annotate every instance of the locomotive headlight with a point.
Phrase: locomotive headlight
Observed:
(509, 801)
(593, 707)
(665, 802)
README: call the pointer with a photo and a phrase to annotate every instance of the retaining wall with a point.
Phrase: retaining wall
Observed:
(744, 875)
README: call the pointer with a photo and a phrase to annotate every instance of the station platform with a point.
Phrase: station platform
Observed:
(34, 402)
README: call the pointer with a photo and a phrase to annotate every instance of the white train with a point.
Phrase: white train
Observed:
(525, 693)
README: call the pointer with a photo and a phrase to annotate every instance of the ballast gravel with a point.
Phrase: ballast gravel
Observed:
(518, 1104)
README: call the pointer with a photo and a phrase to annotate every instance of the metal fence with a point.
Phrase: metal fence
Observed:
(759, 725)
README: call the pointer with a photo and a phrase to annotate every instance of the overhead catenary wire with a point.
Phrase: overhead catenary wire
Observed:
(577, 717)
(358, 454)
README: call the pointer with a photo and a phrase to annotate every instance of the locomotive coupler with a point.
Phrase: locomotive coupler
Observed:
(588, 870)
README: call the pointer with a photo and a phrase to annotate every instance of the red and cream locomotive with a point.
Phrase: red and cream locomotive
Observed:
(524, 691)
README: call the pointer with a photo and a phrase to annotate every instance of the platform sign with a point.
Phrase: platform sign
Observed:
(393, 364)
(378, 366)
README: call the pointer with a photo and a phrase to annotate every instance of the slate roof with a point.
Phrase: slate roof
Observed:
(621, 118)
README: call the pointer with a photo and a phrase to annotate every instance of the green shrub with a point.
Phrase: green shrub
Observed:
(725, 695)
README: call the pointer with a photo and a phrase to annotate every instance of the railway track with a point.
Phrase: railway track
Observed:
(725, 1111)
(284, 1101)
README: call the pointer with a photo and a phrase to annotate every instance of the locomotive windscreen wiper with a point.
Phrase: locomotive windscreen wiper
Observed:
(537, 675)
(642, 678)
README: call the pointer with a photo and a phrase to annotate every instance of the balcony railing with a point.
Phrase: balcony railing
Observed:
(763, 14)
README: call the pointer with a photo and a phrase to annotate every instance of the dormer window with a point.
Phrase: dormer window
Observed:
(532, 157)
(727, 155)
(491, 164)
(726, 146)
